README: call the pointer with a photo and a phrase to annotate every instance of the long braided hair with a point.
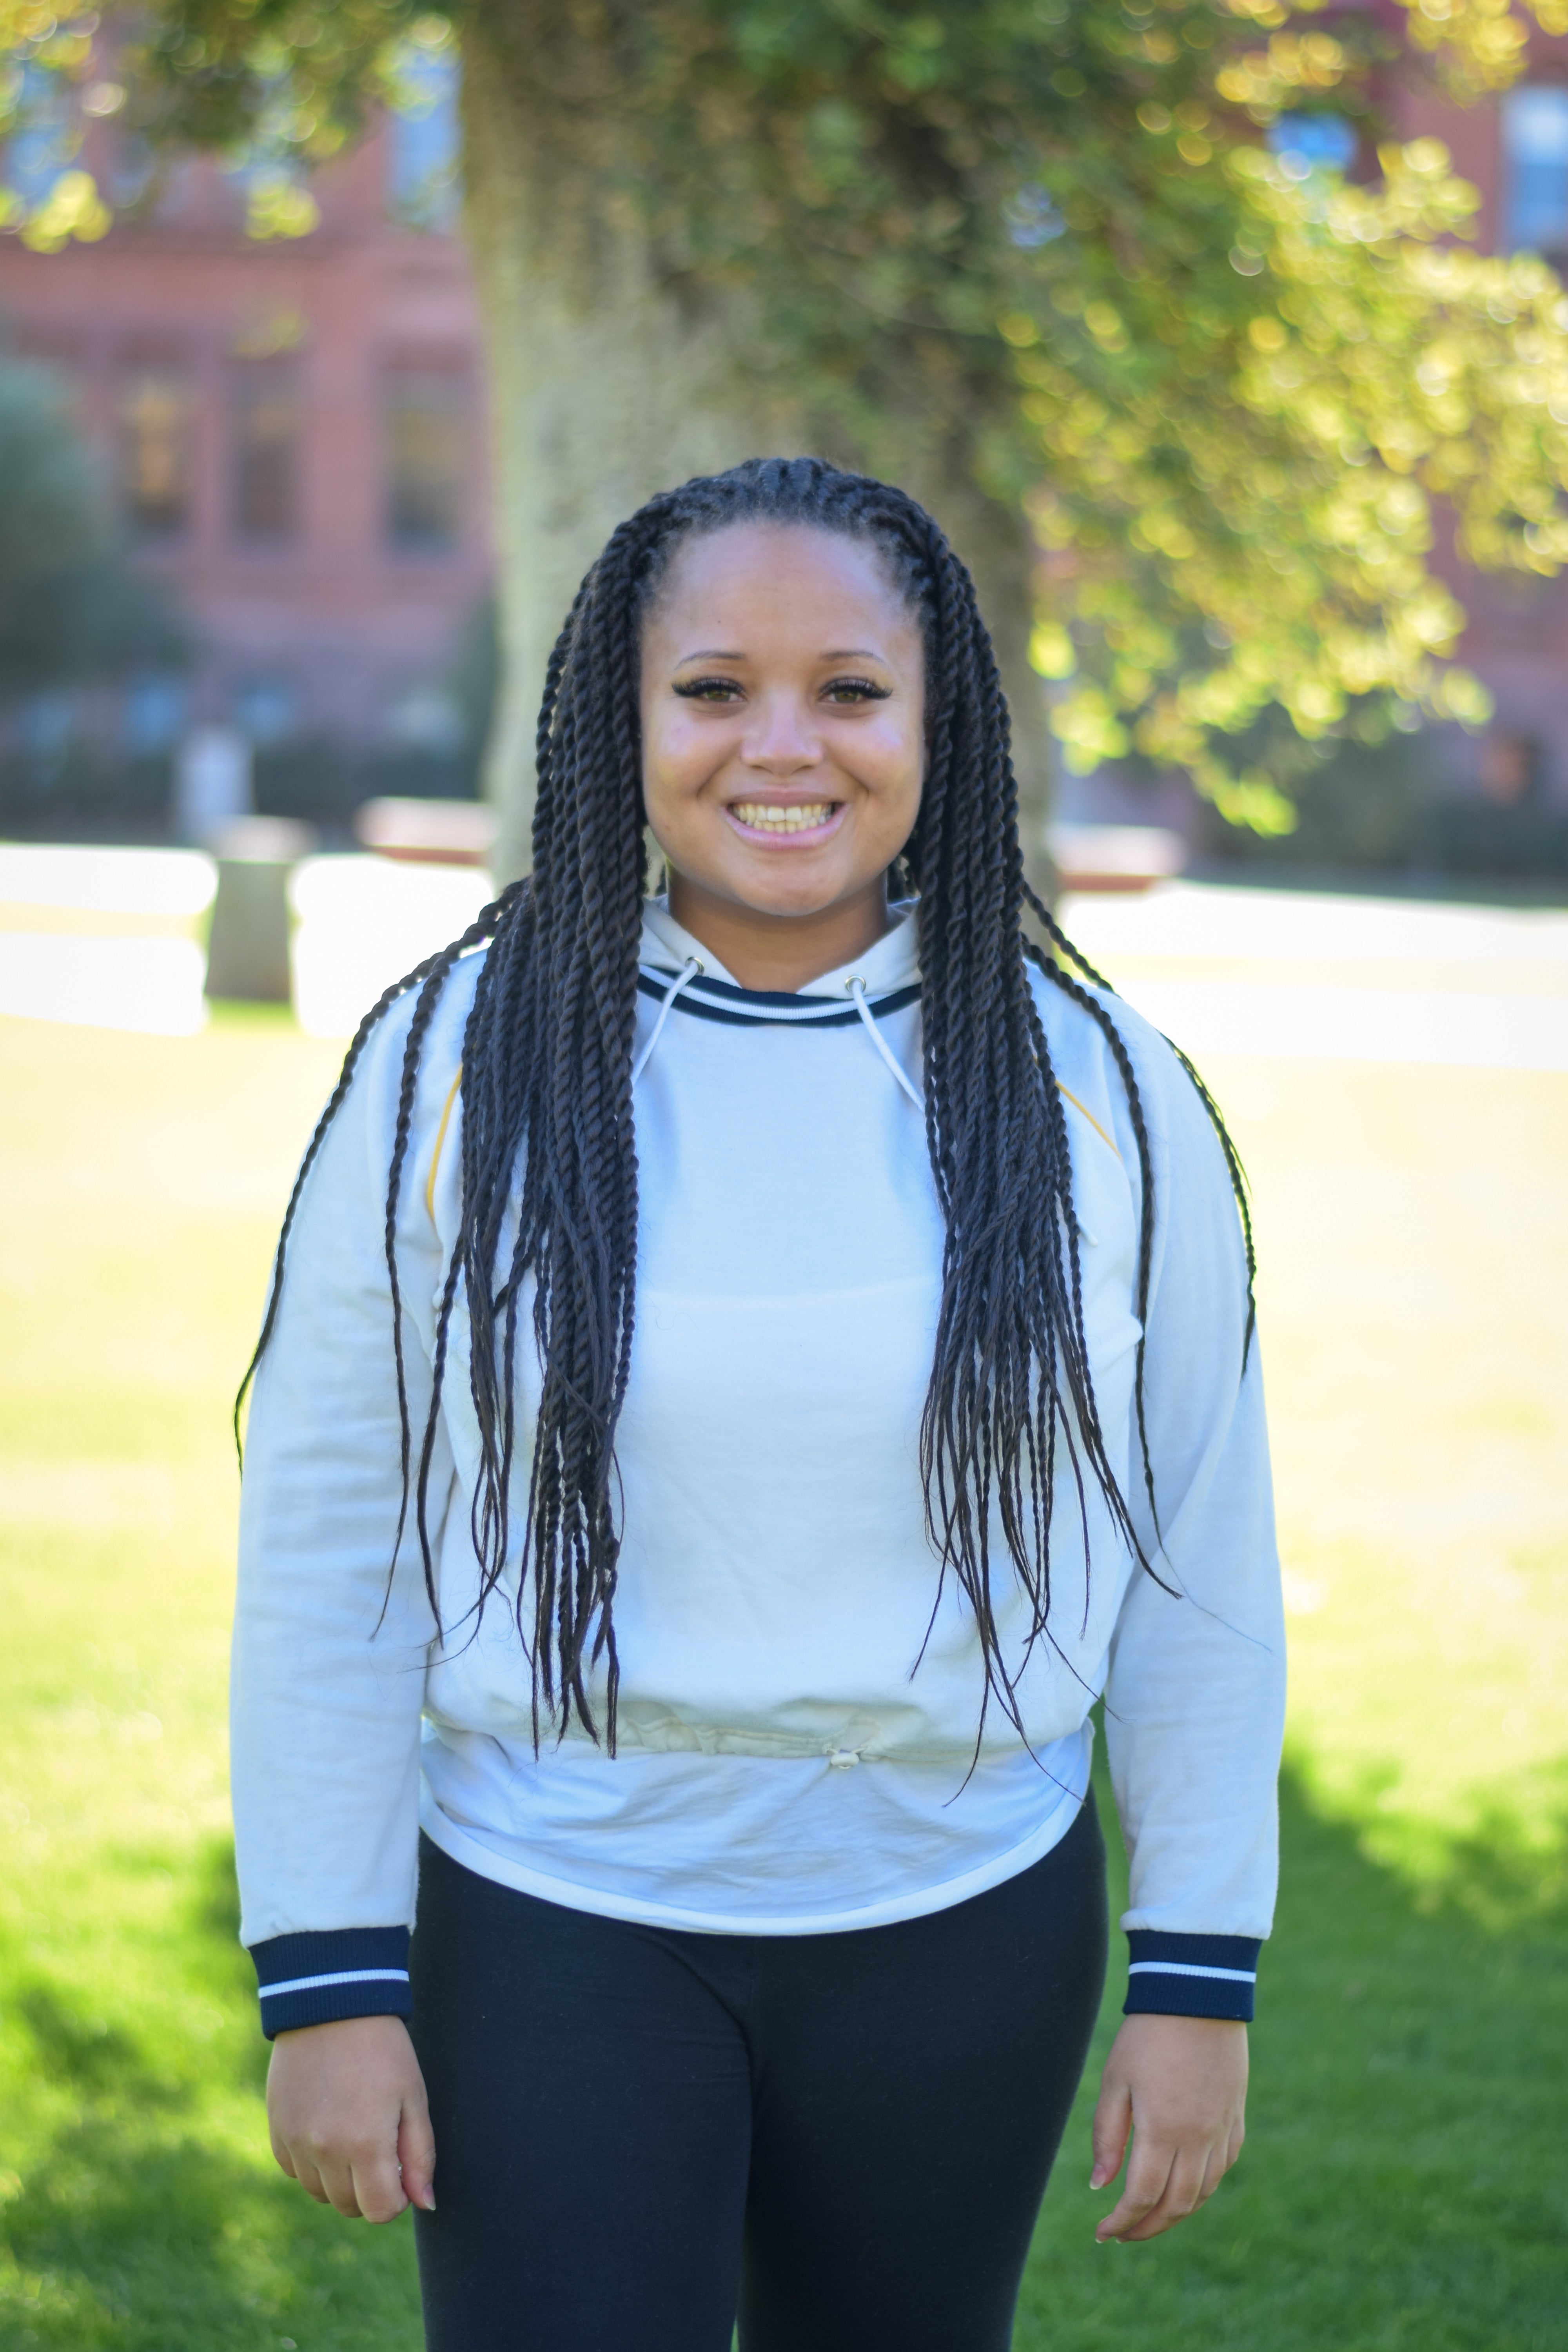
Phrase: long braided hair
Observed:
(548, 1134)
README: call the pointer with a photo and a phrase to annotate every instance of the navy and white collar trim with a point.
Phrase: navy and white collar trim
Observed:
(720, 1000)
(679, 967)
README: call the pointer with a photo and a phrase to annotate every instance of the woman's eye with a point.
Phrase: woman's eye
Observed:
(855, 689)
(709, 689)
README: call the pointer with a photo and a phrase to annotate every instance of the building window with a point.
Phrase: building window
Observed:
(424, 188)
(1511, 768)
(132, 172)
(266, 709)
(1535, 170)
(265, 426)
(66, 364)
(425, 427)
(156, 451)
(153, 714)
(1309, 143)
(44, 140)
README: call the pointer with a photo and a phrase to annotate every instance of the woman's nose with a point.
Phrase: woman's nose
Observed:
(783, 739)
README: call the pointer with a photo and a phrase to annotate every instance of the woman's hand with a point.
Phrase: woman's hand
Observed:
(345, 2105)
(1179, 2085)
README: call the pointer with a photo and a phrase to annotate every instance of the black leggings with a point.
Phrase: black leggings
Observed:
(641, 2132)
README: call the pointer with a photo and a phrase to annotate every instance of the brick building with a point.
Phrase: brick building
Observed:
(294, 431)
(1514, 151)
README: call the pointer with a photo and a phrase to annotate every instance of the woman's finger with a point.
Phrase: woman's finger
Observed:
(376, 2186)
(1112, 2123)
(417, 2150)
(337, 2173)
(1231, 2150)
(1182, 2195)
(1219, 2163)
(310, 2180)
(1145, 2185)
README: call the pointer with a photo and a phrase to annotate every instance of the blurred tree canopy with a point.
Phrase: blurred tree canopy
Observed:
(1188, 399)
(69, 608)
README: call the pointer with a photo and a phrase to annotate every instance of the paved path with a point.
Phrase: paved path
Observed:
(1296, 972)
(111, 938)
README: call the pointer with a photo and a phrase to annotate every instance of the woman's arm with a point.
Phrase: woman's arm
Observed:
(330, 1641)
(1194, 1699)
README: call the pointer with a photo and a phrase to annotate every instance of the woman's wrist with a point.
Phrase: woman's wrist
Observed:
(1191, 1975)
(319, 1977)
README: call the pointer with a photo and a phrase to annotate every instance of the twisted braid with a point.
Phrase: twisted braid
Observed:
(1234, 1169)
(1011, 1383)
(434, 969)
(548, 1151)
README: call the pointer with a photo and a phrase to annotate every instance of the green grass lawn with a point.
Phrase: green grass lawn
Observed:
(1403, 2184)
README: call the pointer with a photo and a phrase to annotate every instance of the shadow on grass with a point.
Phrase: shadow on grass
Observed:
(149, 2217)
(94, 2058)
(1403, 2185)
(216, 1962)
(90, 2056)
(172, 2242)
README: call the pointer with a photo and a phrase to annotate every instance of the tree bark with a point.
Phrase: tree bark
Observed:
(608, 379)
(995, 542)
(614, 374)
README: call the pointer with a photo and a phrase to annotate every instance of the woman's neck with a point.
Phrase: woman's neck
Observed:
(781, 953)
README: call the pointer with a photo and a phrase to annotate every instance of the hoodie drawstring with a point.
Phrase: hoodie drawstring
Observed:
(689, 971)
(856, 989)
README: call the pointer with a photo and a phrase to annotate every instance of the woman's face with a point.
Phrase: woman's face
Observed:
(784, 744)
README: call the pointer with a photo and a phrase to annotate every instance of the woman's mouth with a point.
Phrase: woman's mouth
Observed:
(784, 821)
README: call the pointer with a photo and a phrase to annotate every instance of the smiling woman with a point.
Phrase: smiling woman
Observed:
(784, 747)
(880, 1408)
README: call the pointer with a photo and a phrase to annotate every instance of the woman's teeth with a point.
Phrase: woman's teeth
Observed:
(764, 817)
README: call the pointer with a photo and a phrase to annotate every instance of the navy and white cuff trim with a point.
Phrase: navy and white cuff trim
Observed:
(1190, 1976)
(345, 1973)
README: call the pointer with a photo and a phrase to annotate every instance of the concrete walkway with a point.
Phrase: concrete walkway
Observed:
(1225, 969)
(112, 938)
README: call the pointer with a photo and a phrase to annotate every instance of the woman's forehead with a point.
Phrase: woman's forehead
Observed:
(765, 561)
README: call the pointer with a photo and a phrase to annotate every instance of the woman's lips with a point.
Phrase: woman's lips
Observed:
(795, 822)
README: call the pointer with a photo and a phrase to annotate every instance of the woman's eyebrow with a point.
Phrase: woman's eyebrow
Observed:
(836, 653)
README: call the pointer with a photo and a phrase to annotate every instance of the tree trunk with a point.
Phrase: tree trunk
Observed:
(995, 542)
(606, 382)
(613, 375)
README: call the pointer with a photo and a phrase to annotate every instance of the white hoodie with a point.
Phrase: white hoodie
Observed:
(796, 1725)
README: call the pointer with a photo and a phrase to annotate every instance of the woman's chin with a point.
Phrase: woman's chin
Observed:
(795, 884)
(771, 880)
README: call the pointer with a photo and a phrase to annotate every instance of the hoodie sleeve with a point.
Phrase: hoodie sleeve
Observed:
(1194, 1699)
(332, 1634)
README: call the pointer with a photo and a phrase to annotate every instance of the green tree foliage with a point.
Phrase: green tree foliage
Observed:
(70, 609)
(1226, 393)
(43, 69)
(1048, 238)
